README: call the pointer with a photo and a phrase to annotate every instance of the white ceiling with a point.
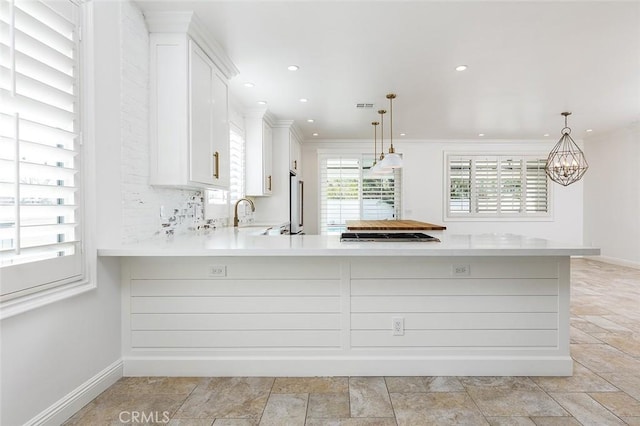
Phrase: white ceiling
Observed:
(527, 62)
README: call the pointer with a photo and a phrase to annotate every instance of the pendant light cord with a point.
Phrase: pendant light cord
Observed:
(375, 142)
(391, 97)
(381, 112)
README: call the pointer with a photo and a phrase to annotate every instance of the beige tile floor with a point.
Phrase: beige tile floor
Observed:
(604, 389)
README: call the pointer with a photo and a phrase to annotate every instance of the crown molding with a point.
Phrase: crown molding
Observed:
(186, 22)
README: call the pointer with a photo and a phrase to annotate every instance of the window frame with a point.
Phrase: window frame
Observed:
(46, 291)
(363, 159)
(472, 216)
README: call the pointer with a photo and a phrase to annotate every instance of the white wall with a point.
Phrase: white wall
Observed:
(48, 353)
(612, 195)
(423, 188)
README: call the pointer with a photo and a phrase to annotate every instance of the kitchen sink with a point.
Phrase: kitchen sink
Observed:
(260, 230)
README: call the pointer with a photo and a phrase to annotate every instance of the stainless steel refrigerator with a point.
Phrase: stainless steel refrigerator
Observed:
(296, 205)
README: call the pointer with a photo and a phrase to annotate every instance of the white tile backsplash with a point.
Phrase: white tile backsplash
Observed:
(142, 204)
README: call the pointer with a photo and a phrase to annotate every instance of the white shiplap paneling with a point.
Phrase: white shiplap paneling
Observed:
(329, 311)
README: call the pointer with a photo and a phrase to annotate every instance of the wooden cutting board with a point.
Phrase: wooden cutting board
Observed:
(392, 225)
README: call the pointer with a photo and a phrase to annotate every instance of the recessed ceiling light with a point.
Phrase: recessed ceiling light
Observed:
(310, 120)
(480, 134)
(589, 130)
(249, 84)
(293, 68)
(461, 67)
(262, 102)
(303, 100)
(315, 134)
(545, 135)
(403, 134)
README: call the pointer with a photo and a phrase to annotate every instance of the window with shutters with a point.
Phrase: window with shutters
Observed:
(236, 165)
(40, 198)
(220, 203)
(349, 192)
(497, 186)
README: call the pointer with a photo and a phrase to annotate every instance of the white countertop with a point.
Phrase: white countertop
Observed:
(249, 242)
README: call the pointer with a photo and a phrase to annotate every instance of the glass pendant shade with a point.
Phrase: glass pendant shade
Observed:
(391, 161)
(566, 163)
(377, 170)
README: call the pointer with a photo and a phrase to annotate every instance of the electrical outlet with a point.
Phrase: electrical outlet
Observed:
(217, 271)
(461, 270)
(397, 325)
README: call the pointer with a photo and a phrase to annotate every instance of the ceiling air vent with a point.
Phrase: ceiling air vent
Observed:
(364, 106)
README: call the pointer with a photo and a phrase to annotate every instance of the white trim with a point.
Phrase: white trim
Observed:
(87, 199)
(71, 403)
(38, 299)
(348, 366)
(615, 261)
(187, 22)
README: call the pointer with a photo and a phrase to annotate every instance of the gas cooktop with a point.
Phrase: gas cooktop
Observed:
(391, 237)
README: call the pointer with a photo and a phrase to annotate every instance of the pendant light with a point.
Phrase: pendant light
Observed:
(377, 169)
(566, 163)
(392, 160)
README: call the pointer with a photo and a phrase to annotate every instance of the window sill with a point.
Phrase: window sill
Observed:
(498, 219)
(36, 300)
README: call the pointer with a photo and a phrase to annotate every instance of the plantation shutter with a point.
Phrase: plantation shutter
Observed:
(511, 194)
(484, 186)
(460, 185)
(537, 191)
(236, 166)
(340, 189)
(349, 192)
(39, 144)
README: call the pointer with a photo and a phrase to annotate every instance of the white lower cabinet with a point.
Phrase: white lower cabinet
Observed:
(338, 316)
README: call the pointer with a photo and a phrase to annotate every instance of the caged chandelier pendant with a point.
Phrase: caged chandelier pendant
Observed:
(566, 163)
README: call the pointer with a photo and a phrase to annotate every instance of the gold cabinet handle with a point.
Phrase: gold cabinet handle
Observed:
(216, 165)
(269, 185)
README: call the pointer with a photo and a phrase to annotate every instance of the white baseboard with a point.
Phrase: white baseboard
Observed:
(615, 261)
(348, 366)
(67, 406)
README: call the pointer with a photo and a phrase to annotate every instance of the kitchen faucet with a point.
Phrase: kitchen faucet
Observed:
(235, 210)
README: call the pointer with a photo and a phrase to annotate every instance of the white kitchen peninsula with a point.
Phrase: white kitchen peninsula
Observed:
(242, 304)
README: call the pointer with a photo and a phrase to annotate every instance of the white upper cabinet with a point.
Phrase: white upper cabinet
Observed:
(259, 153)
(295, 153)
(284, 151)
(209, 137)
(189, 104)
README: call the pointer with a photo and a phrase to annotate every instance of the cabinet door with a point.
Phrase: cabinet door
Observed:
(201, 161)
(267, 157)
(294, 154)
(220, 132)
